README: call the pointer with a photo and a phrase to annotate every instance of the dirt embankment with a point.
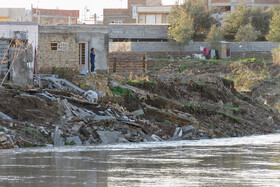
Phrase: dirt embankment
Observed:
(173, 101)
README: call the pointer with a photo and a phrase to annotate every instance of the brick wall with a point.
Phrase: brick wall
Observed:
(126, 63)
(67, 58)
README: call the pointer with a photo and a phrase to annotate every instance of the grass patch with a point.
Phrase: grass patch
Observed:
(199, 64)
(119, 90)
(158, 67)
(201, 83)
(236, 109)
(237, 119)
(31, 131)
(194, 106)
(134, 82)
(251, 60)
(165, 122)
(70, 143)
(160, 59)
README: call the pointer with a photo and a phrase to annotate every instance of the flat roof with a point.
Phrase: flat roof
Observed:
(17, 23)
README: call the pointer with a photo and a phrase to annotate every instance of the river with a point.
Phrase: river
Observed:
(246, 161)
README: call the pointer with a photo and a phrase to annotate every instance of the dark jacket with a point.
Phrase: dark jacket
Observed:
(92, 57)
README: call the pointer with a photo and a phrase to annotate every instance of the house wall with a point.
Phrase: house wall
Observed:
(125, 63)
(95, 37)
(126, 15)
(7, 30)
(13, 14)
(54, 20)
(48, 58)
(233, 3)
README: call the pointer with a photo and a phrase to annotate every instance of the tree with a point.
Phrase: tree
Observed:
(200, 14)
(274, 28)
(190, 18)
(260, 20)
(181, 25)
(243, 15)
(214, 37)
(247, 34)
(16, 47)
(240, 16)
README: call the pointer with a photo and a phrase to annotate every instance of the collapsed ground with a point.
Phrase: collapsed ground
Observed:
(174, 100)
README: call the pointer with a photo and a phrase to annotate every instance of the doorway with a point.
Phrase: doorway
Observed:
(83, 57)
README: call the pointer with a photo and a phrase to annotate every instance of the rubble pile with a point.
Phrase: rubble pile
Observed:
(174, 106)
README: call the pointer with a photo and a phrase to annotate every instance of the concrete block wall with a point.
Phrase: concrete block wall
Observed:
(48, 58)
(172, 49)
(126, 63)
(3, 47)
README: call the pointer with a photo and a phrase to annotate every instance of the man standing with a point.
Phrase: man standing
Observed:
(92, 60)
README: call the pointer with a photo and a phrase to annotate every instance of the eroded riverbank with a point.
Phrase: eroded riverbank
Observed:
(180, 100)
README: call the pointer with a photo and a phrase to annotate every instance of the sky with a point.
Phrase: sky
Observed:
(95, 6)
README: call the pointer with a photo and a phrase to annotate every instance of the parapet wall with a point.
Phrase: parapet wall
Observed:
(172, 49)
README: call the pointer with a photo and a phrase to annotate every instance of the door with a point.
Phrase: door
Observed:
(83, 57)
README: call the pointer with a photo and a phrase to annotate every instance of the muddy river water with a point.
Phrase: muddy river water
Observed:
(247, 161)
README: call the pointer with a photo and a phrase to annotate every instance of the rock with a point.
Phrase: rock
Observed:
(74, 139)
(5, 117)
(203, 135)
(104, 118)
(221, 104)
(108, 137)
(100, 94)
(6, 141)
(57, 139)
(188, 129)
(84, 131)
(3, 138)
(270, 120)
(43, 131)
(178, 133)
(138, 113)
(187, 136)
(122, 140)
(211, 133)
(6, 129)
(11, 125)
(156, 138)
(92, 140)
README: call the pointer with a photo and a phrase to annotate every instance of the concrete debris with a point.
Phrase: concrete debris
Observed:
(57, 139)
(138, 113)
(74, 140)
(62, 84)
(5, 117)
(110, 137)
(91, 96)
(188, 129)
(6, 141)
(199, 56)
(156, 138)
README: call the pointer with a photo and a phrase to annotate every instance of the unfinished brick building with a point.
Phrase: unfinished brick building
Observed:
(229, 5)
(54, 16)
(128, 15)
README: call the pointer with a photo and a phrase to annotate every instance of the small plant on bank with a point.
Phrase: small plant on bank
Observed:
(201, 83)
(276, 55)
(237, 119)
(70, 143)
(236, 109)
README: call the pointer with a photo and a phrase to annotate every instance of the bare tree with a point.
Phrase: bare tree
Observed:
(16, 46)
